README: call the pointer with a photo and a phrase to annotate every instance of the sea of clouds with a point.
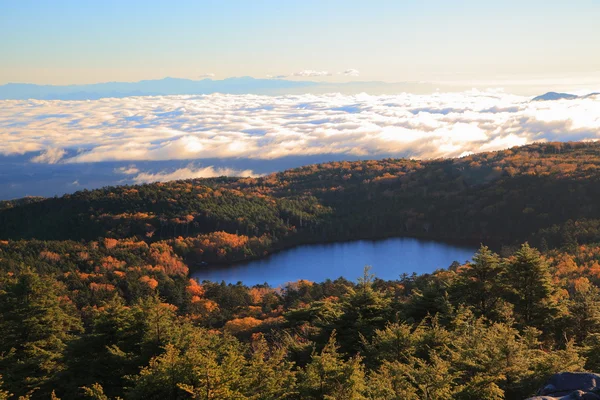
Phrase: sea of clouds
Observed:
(212, 126)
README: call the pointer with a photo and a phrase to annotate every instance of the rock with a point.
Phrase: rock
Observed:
(570, 385)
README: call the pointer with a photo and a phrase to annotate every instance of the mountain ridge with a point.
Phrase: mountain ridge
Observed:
(463, 199)
(550, 96)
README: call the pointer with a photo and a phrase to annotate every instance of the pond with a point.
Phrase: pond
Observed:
(388, 258)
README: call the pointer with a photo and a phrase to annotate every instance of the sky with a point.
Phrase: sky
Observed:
(73, 42)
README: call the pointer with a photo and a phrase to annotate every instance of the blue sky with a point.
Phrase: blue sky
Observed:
(65, 42)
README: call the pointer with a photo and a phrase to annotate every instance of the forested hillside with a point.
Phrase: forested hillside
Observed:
(96, 301)
(112, 319)
(546, 191)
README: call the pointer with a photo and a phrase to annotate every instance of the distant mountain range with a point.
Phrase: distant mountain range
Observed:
(178, 86)
(561, 96)
(236, 85)
(166, 86)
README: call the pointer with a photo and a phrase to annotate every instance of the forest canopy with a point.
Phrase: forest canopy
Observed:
(96, 300)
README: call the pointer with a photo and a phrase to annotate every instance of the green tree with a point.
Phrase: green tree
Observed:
(202, 366)
(269, 375)
(389, 382)
(479, 284)
(432, 380)
(530, 283)
(363, 311)
(37, 321)
(109, 351)
(584, 310)
(95, 392)
(329, 377)
(396, 342)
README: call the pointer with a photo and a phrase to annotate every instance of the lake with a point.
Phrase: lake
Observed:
(389, 258)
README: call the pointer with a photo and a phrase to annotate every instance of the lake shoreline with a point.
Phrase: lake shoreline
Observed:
(340, 259)
(283, 246)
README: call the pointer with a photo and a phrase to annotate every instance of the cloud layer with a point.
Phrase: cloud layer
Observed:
(189, 172)
(266, 127)
(312, 73)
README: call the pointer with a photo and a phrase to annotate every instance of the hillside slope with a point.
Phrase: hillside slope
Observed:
(540, 192)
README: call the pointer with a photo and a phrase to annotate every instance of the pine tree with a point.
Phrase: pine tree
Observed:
(530, 284)
(389, 382)
(584, 310)
(396, 342)
(432, 379)
(329, 377)
(363, 311)
(109, 351)
(269, 375)
(37, 322)
(479, 284)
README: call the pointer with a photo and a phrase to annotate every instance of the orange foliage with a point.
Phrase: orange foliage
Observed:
(257, 294)
(194, 288)
(110, 263)
(98, 287)
(240, 325)
(151, 282)
(110, 243)
(50, 256)
(163, 256)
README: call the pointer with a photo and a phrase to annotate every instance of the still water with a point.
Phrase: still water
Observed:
(388, 258)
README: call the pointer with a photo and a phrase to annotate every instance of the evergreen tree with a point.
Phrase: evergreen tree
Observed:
(389, 382)
(37, 322)
(364, 310)
(584, 310)
(431, 380)
(396, 342)
(530, 284)
(479, 284)
(269, 374)
(108, 352)
(329, 377)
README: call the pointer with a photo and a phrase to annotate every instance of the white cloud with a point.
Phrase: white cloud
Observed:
(190, 172)
(267, 127)
(311, 73)
(277, 76)
(207, 75)
(350, 72)
(131, 170)
(49, 156)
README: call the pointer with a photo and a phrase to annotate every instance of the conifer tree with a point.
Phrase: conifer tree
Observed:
(36, 325)
(530, 286)
(329, 377)
(479, 284)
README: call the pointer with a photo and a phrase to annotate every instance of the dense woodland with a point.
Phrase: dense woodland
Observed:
(96, 301)
(548, 193)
